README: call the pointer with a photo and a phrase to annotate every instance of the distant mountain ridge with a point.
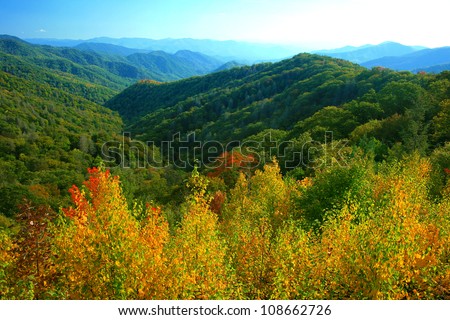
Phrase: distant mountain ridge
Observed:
(427, 59)
(370, 52)
(342, 49)
(107, 48)
(172, 66)
(222, 50)
(394, 56)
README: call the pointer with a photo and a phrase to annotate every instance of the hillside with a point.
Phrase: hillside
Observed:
(88, 66)
(419, 60)
(308, 94)
(160, 64)
(229, 65)
(182, 64)
(52, 124)
(433, 69)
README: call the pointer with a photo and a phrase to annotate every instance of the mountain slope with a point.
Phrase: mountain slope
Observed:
(182, 64)
(200, 63)
(306, 95)
(50, 132)
(413, 61)
(434, 69)
(148, 96)
(52, 126)
(236, 103)
(89, 66)
(229, 65)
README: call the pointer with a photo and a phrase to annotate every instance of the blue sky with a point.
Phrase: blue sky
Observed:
(307, 23)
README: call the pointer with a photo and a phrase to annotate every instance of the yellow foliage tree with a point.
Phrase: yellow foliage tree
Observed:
(256, 207)
(199, 268)
(153, 265)
(97, 248)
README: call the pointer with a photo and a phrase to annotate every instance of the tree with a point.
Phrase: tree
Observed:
(441, 123)
(397, 96)
(33, 268)
(198, 262)
(96, 248)
(340, 121)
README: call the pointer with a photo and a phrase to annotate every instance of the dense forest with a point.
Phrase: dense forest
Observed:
(309, 178)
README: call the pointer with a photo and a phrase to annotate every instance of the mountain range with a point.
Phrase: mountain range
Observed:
(243, 52)
(387, 54)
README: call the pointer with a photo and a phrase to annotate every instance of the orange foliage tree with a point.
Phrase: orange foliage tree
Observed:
(101, 250)
(229, 164)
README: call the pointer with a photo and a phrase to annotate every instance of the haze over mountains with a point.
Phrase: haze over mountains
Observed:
(387, 54)
(395, 56)
(222, 50)
(370, 52)
(433, 60)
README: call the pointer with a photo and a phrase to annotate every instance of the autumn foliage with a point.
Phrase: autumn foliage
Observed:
(382, 238)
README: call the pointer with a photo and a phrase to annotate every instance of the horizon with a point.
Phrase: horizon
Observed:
(312, 25)
(230, 40)
(209, 39)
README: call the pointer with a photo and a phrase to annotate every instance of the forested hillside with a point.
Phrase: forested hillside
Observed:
(51, 128)
(88, 66)
(310, 178)
(305, 95)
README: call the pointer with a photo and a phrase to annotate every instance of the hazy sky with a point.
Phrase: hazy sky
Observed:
(308, 23)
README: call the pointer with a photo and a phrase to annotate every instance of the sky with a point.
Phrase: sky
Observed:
(313, 24)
